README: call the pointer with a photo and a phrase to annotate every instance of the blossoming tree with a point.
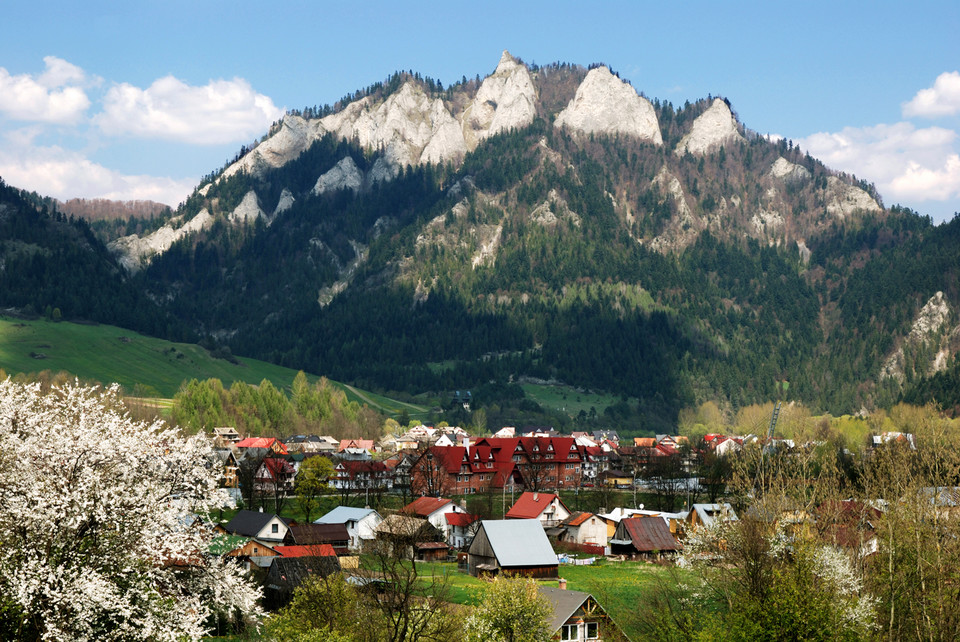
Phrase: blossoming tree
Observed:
(97, 536)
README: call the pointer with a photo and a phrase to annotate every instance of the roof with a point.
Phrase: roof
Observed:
(648, 534)
(262, 442)
(287, 573)
(365, 444)
(344, 514)
(577, 518)
(707, 513)
(531, 505)
(306, 534)
(248, 522)
(460, 519)
(314, 550)
(425, 506)
(563, 604)
(519, 542)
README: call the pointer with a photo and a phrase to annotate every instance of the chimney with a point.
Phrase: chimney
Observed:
(261, 509)
(563, 584)
(536, 497)
(466, 443)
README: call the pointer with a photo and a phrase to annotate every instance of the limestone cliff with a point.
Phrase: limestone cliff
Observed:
(604, 104)
(710, 130)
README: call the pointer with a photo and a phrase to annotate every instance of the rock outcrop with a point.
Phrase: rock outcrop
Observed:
(711, 129)
(789, 172)
(604, 104)
(248, 210)
(344, 175)
(843, 199)
(132, 251)
(507, 99)
(928, 330)
(286, 202)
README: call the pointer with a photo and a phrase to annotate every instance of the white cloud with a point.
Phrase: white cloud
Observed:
(907, 164)
(65, 174)
(56, 96)
(943, 99)
(223, 111)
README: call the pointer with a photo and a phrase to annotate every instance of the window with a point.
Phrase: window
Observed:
(593, 630)
(569, 632)
(275, 528)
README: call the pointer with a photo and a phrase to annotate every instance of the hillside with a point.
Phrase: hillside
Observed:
(144, 365)
(554, 224)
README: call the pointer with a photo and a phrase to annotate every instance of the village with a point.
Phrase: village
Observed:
(513, 505)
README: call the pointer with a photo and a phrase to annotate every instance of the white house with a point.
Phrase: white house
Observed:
(361, 523)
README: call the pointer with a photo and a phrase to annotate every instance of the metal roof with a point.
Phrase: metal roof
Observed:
(343, 514)
(564, 603)
(519, 542)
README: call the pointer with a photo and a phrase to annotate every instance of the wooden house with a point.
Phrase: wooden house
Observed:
(512, 547)
(578, 616)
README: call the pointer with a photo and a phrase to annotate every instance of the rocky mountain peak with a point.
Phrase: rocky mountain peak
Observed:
(506, 99)
(605, 104)
(710, 130)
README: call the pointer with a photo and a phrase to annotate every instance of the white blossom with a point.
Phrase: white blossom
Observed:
(93, 537)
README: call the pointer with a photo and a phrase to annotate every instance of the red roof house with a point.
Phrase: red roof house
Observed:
(546, 507)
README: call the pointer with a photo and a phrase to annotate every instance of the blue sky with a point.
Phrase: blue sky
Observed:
(140, 99)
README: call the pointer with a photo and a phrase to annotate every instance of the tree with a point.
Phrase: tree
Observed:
(313, 479)
(511, 610)
(94, 522)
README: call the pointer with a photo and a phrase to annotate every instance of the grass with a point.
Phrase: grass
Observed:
(144, 365)
(569, 400)
(618, 586)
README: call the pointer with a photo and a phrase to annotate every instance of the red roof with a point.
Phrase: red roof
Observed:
(425, 506)
(313, 550)
(278, 467)
(460, 519)
(577, 518)
(263, 442)
(531, 505)
(366, 444)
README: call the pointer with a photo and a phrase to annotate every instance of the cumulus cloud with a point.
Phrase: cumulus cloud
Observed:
(223, 111)
(943, 99)
(55, 96)
(64, 174)
(906, 163)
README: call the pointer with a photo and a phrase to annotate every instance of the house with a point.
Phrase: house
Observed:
(225, 461)
(584, 528)
(434, 510)
(706, 515)
(615, 479)
(361, 523)
(335, 535)
(287, 573)
(355, 448)
(402, 535)
(461, 528)
(225, 436)
(267, 443)
(512, 547)
(250, 552)
(362, 475)
(313, 550)
(643, 536)
(263, 526)
(577, 616)
(546, 507)
(275, 475)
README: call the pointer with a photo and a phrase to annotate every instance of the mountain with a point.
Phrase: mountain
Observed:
(552, 223)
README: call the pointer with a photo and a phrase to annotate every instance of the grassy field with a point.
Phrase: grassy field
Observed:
(569, 400)
(108, 354)
(618, 586)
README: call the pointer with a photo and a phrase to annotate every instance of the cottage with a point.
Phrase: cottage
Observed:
(361, 523)
(335, 535)
(546, 507)
(401, 535)
(288, 573)
(512, 547)
(435, 510)
(706, 515)
(643, 536)
(578, 616)
(263, 526)
(584, 528)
